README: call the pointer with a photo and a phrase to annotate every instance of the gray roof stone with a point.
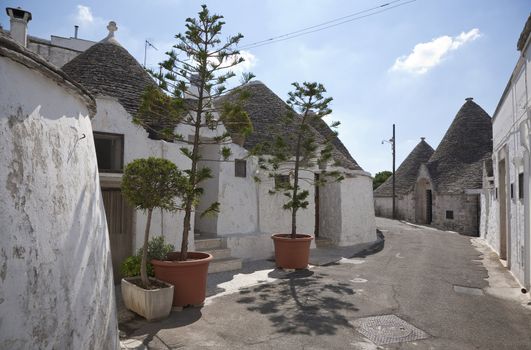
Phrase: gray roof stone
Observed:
(106, 68)
(266, 111)
(457, 163)
(406, 174)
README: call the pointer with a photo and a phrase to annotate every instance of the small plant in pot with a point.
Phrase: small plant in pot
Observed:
(193, 77)
(148, 184)
(290, 158)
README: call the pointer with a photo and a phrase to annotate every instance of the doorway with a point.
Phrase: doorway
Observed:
(316, 201)
(423, 202)
(429, 208)
(502, 200)
(120, 223)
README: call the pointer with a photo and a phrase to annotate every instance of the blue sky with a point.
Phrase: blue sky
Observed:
(413, 65)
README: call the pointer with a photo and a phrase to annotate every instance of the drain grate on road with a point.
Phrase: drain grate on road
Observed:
(388, 329)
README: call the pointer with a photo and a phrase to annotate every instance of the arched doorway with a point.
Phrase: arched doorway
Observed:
(423, 201)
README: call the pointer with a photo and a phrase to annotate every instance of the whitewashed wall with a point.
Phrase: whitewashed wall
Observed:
(238, 196)
(113, 118)
(357, 210)
(55, 266)
(346, 210)
(511, 140)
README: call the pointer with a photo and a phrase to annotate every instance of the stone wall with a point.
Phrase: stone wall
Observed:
(465, 209)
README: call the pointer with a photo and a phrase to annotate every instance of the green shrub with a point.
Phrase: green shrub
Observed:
(157, 249)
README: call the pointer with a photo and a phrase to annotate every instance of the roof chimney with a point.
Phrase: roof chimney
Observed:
(76, 28)
(19, 24)
(469, 98)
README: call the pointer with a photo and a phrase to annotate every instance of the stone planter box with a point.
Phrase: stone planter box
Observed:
(152, 304)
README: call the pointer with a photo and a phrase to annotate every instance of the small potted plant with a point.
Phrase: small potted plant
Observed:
(286, 158)
(148, 184)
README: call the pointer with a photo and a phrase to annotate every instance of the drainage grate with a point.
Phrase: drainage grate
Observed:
(388, 329)
(468, 290)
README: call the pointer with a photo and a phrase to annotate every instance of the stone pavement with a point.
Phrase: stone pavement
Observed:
(434, 289)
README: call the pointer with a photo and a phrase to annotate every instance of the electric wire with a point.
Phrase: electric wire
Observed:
(383, 8)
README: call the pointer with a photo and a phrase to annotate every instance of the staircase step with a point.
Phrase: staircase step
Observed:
(225, 264)
(218, 253)
(208, 244)
(323, 242)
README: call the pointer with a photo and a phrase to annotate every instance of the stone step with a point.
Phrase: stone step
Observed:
(323, 242)
(224, 264)
(208, 244)
(219, 253)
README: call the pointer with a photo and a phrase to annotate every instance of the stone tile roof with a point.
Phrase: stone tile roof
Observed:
(524, 35)
(457, 163)
(266, 110)
(106, 68)
(406, 174)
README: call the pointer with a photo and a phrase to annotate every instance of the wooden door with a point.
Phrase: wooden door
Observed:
(120, 223)
(316, 201)
(429, 206)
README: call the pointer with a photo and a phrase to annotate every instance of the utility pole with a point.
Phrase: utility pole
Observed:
(393, 144)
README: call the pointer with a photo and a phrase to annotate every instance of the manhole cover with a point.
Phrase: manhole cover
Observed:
(388, 329)
(468, 290)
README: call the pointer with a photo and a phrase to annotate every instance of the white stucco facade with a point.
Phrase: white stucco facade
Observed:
(249, 214)
(506, 218)
(113, 118)
(55, 268)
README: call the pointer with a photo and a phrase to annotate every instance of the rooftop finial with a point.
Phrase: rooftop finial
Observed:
(112, 28)
(469, 98)
(422, 138)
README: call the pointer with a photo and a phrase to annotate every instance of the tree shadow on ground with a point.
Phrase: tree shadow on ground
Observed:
(140, 327)
(303, 302)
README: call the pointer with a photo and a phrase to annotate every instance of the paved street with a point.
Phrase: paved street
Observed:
(439, 282)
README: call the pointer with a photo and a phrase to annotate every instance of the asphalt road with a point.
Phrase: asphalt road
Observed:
(435, 281)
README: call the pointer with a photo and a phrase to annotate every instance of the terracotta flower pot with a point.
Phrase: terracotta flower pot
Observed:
(292, 253)
(188, 277)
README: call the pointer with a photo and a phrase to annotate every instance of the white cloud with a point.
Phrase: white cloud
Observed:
(249, 62)
(84, 15)
(428, 55)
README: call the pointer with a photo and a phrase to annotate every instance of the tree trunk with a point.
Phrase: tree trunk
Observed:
(190, 198)
(296, 177)
(143, 268)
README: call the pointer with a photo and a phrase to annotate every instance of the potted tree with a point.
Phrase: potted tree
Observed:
(285, 159)
(192, 77)
(148, 184)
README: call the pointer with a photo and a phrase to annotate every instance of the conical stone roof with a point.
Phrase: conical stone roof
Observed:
(266, 111)
(457, 162)
(106, 68)
(406, 174)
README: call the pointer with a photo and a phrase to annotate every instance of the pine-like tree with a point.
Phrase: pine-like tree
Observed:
(303, 148)
(190, 80)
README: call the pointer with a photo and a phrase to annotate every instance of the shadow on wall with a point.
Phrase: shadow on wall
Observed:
(302, 303)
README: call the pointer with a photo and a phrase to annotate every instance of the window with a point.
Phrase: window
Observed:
(109, 152)
(281, 181)
(240, 168)
(521, 186)
(450, 214)
(512, 191)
